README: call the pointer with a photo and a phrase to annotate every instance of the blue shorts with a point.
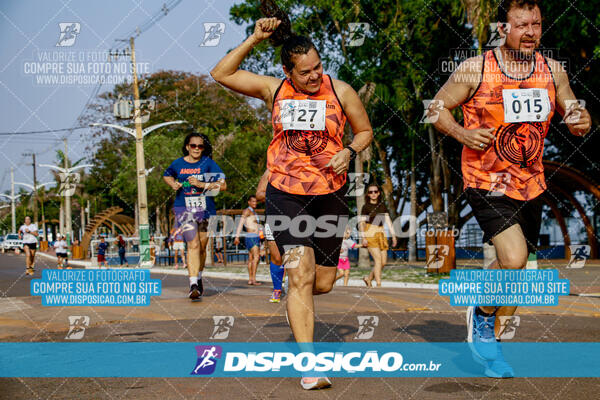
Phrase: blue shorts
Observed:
(252, 240)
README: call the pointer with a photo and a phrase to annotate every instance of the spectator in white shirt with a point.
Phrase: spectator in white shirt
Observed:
(60, 246)
(28, 233)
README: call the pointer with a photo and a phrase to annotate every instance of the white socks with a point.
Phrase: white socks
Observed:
(194, 279)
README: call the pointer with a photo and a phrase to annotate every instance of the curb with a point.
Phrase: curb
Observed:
(243, 277)
(78, 263)
(351, 282)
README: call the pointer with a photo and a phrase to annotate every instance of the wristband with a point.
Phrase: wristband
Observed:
(352, 152)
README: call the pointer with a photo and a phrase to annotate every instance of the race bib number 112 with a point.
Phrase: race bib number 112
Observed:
(195, 203)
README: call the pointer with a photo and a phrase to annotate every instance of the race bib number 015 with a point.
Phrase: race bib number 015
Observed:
(305, 115)
(526, 105)
(195, 202)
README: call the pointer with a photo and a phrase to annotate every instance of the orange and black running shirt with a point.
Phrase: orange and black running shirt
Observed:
(307, 133)
(519, 111)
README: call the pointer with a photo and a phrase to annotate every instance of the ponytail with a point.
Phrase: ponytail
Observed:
(291, 44)
(284, 31)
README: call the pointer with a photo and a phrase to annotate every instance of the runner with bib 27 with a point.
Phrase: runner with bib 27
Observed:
(306, 159)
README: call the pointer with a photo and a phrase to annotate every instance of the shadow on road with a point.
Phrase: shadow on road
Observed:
(456, 387)
(324, 332)
(436, 331)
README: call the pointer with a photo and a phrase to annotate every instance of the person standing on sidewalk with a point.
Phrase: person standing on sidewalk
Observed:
(122, 245)
(102, 247)
(251, 223)
(60, 247)
(374, 216)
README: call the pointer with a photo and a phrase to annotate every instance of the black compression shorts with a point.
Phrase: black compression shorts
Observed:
(316, 221)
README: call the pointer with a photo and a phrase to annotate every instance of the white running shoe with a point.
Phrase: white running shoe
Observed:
(315, 383)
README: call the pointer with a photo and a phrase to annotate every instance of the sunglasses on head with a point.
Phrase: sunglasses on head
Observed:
(196, 146)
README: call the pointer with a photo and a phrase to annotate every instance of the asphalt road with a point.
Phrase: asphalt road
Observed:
(413, 315)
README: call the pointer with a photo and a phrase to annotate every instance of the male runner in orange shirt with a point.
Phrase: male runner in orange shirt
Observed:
(508, 96)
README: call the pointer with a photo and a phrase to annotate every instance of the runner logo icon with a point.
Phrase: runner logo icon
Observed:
(579, 255)
(77, 325)
(573, 113)
(509, 326)
(223, 324)
(357, 183)
(68, 33)
(498, 180)
(207, 359)
(358, 31)
(431, 111)
(212, 33)
(495, 38)
(437, 252)
(366, 326)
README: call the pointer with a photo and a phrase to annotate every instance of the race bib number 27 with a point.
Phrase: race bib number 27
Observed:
(305, 115)
(526, 105)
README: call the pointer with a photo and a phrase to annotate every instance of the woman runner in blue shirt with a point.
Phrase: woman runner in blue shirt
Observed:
(196, 179)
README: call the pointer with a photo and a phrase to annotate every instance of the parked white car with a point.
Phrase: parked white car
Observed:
(11, 242)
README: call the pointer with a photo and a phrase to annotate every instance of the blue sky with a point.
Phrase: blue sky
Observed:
(31, 29)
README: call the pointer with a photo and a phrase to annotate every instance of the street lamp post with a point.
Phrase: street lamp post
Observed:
(12, 197)
(13, 223)
(4, 206)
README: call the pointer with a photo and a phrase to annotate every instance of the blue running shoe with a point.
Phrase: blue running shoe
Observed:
(480, 336)
(499, 368)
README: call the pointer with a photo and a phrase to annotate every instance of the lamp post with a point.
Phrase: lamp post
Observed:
(4, 206)
(12, 197)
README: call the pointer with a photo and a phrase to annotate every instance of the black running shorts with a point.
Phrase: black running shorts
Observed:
(497, 213)
(316, 221)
